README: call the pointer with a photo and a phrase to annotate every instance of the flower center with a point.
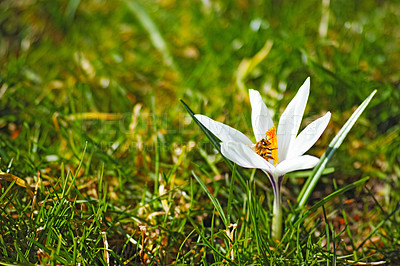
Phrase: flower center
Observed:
(268, 146)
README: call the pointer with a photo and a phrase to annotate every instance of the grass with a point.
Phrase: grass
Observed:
(101, 164)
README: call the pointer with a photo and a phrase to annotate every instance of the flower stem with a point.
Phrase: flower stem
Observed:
(277, 215)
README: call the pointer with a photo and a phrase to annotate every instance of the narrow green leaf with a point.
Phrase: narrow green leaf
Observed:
(230, 197)
(254, 212)
(215, 143)
(326, 157)
(379, 226)
(213, 200)
(66, 191)
(154, 33)
(209, 135)
(327, 233)
(330, 197)
(157, 148)
(181, 246)
(7, 190)
(70, 10)
(21, 256)
(207, 243)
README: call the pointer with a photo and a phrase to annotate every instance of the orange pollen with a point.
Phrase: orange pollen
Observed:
(268, 146)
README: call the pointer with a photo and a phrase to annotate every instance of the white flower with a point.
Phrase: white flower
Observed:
(276, 153)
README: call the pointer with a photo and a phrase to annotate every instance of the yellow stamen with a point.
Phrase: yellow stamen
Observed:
(268, 147)
(271, 133)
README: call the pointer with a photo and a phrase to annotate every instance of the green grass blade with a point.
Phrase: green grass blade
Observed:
(215, 143)
(327, 232)
(183, 242)
(207, 243)
(157, 147)
(379, 226)
(7, 190)
(330, 197)
(209, 135)
(231, 196)
(21, 256)
(67, 190)
(326, 157)
(154, 33)
(213, 200)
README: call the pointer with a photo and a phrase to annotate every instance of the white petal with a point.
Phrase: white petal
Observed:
(244, 156)
(260, 117)
(306, 139)
(298, 163)
(223, 132)
(290, 120)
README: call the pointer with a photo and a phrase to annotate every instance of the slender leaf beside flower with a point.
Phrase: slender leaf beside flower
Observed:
(213, 200)
(330, 197)
(333, 146)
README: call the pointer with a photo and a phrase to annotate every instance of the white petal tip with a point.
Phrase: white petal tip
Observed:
(327, 116)
(306, 83)
(253, 93)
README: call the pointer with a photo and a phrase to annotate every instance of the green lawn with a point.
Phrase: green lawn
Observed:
(100, 162)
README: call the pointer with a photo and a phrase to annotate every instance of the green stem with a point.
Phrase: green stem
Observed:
(277, 215)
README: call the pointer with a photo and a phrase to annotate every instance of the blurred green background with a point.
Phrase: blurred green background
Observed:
(111, 73)
(66, 57)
